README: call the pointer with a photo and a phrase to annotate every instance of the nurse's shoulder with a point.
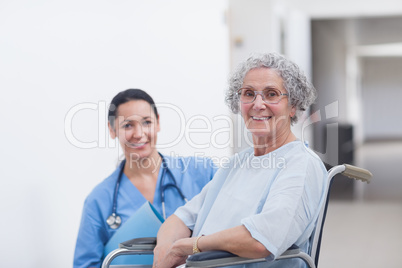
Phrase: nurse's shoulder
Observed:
(103, 190)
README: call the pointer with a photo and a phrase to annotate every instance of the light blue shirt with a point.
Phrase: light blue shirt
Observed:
(277, 197)
(191, 175)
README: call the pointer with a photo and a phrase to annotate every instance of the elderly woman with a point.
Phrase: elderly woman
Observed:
(257, 207)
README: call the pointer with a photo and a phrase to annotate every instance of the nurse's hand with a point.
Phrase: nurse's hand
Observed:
(168, 256)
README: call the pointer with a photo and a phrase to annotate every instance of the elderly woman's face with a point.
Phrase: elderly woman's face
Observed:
(263, 119)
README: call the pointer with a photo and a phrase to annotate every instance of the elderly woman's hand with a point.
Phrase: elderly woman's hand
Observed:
(168, 256)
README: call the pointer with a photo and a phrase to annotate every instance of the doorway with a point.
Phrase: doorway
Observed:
(357, 63)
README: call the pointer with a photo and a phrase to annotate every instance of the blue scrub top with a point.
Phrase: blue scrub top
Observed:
(190, 173)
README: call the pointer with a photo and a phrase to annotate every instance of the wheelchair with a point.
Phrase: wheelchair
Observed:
(142, 246)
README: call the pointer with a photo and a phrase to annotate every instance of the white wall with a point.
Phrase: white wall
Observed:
(56, 55)
(298, 49)
(381, 93)
(252, 30)
(329, 63)
(268, 26)
(346, 8)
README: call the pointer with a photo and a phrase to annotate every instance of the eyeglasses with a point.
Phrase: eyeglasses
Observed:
(270, 96)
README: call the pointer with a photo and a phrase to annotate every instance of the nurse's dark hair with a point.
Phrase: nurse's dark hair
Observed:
(126, 96)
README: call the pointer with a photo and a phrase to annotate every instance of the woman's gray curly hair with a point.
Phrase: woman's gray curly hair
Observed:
(301, 92)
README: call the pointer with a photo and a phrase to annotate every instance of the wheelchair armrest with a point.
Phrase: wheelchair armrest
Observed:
(223, 258)
(295, 252)
(143, 243)
(137, 246)
(217, 259)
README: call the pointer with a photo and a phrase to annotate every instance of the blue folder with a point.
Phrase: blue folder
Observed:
(145, 222)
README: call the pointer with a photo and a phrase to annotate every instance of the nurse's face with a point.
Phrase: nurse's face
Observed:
(136, 127)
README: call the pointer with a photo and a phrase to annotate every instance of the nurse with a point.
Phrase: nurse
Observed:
(144, 176)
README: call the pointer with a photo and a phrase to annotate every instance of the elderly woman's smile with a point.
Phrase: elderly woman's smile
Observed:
(261, 118)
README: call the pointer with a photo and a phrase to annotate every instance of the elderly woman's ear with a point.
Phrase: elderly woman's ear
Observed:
(293, 111)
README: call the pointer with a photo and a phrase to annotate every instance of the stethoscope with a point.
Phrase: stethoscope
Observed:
(114, 220)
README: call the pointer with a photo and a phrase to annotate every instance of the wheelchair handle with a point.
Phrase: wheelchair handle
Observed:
(357, 173)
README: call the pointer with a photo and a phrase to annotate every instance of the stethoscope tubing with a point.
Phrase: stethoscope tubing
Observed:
(117, 186)
(114, 219)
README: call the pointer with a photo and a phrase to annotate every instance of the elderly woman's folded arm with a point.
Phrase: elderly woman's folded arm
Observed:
(175, 243)
(236, 240)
